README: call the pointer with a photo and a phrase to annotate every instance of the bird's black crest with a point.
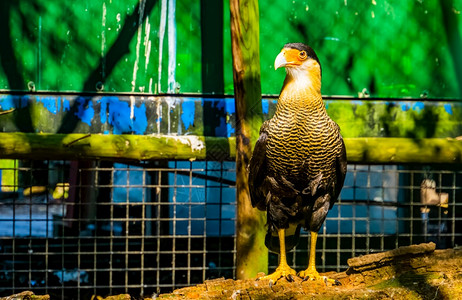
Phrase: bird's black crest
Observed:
(308, 49)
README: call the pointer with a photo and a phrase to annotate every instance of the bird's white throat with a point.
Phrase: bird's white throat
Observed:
(303, 79)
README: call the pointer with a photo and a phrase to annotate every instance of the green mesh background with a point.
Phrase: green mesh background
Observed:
(381, 48)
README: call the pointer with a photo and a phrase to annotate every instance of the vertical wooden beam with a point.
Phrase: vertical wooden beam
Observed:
(252, 255)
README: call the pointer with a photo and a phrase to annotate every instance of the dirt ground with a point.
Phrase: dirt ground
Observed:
(413, 272)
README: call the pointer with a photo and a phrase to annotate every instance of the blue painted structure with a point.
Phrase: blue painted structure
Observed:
(195, 115)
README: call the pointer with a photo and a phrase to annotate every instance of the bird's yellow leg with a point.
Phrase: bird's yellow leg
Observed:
(283, 269)
(310, 272)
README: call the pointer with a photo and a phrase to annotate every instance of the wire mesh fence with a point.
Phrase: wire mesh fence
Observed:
(76, 229)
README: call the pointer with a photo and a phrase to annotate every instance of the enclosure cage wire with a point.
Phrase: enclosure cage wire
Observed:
(101, 228)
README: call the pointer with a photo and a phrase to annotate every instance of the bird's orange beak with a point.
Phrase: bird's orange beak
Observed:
(287, 58)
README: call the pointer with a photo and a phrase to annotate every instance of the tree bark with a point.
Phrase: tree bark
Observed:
(252, 255)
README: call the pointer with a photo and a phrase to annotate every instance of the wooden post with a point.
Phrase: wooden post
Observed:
(252, 255)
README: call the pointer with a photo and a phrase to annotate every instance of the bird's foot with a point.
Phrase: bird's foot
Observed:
(312, 274)
(281, 271)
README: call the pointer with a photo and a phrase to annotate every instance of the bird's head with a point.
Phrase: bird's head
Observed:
(301, 64)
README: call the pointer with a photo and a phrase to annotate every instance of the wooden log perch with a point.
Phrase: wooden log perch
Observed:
(26, 295)
(416, 272)
(377, 259)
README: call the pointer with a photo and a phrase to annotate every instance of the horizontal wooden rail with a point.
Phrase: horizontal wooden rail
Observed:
(403, 150)
(78, 146)
(113, 147)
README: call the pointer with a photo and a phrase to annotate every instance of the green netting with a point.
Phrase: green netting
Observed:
(380, 48)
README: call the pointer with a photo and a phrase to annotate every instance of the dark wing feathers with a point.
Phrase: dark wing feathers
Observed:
(341, 169)
(257, 170)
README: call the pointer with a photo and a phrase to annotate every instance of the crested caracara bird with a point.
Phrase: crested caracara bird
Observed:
(299, 162)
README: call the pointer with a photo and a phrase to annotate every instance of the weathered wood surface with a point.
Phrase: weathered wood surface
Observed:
(251, 256)
(415, 272)
(382, 258)
(26, 295)
(113, 147)
(404, 150)
(157, 147)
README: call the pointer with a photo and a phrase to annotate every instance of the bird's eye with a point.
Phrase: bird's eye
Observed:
(302, 55)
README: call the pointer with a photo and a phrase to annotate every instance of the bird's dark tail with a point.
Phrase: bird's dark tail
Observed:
(292, 238)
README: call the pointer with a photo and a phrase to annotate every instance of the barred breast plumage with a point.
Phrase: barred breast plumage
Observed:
(303, 141)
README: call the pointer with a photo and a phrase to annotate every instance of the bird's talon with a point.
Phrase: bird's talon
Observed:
(271, 283)
(306, 278)
(290, 278)
(336, 282)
